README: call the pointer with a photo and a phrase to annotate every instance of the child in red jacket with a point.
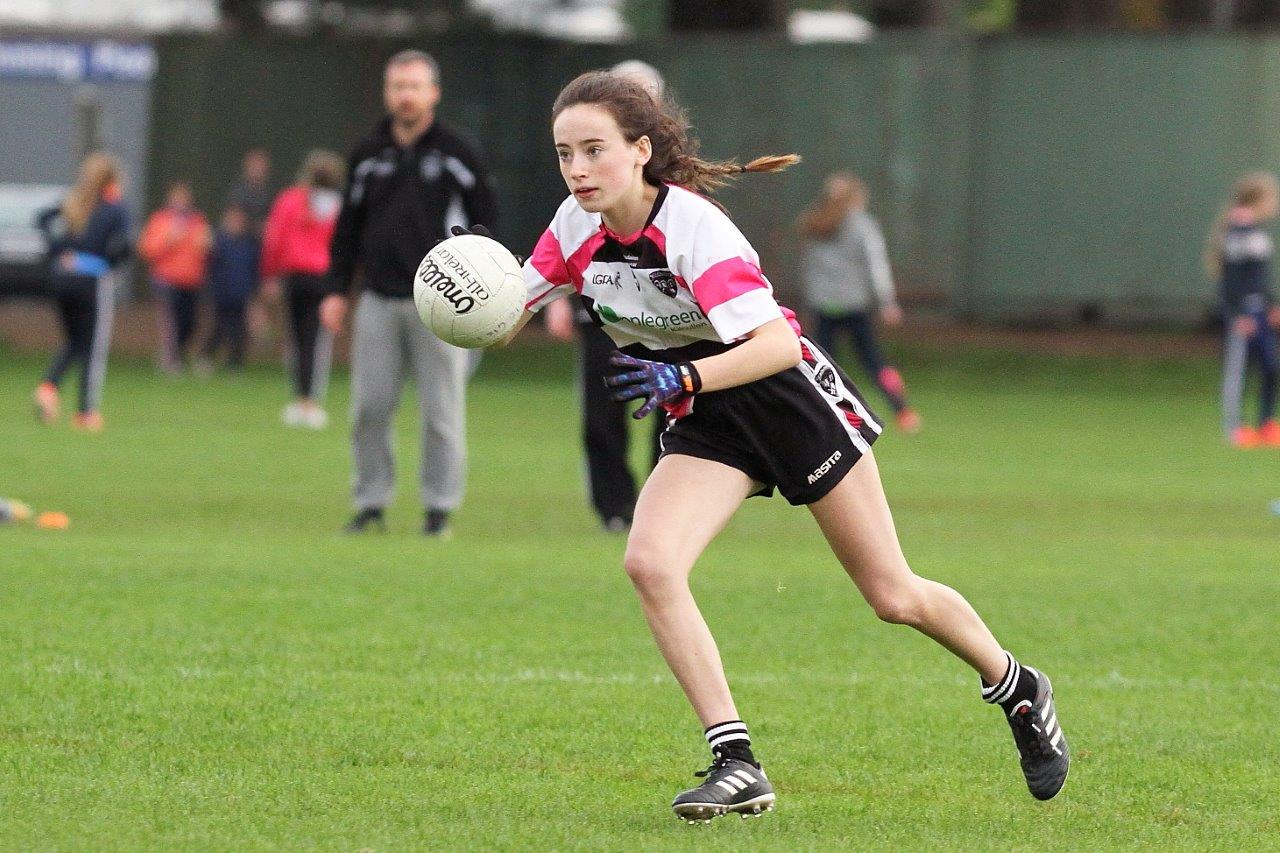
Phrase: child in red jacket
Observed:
(295, 258)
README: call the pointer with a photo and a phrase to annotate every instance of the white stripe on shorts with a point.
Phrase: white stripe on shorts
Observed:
(845, 393)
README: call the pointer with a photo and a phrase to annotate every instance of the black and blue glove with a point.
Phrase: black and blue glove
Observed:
(662, 384)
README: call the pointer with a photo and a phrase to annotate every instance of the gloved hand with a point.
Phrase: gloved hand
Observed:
(478, 230)
(481, 231)
(660, 383)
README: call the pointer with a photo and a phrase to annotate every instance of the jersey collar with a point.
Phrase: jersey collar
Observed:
(653, 213)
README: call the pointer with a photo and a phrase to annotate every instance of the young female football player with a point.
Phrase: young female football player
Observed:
(752, 406)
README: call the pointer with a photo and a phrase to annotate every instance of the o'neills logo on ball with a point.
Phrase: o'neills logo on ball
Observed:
(435, 278)
(463, 273)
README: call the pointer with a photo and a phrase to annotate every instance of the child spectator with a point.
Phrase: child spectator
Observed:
(88, 236)
(233, 280)
(175, 243)
(847, 276)
(1238, 255)
(295, 251)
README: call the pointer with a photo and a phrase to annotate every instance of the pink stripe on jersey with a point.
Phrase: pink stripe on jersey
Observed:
(548, 260)
(654, 233)
(577, 262)
(725, 280)
(790, 317)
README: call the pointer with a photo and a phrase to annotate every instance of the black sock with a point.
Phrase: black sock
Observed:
(1017, 686)
(730, 740)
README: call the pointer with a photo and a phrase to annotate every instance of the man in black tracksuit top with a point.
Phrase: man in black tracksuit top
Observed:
(408, 183)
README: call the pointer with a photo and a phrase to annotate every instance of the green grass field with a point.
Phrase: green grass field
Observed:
(201, 661)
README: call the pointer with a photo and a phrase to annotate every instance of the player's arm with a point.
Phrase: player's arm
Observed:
(520, 324)
(769, 349)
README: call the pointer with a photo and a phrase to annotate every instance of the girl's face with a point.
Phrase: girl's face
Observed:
(601, 169)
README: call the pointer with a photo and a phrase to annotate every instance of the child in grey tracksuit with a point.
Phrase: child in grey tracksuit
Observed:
(847, 276)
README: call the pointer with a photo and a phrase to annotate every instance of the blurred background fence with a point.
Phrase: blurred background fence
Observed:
(1019, 178)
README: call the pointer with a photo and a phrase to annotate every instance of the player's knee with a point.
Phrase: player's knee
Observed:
(900, 604)
(648, 567)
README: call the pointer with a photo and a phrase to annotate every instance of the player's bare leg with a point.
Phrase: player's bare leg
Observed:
(683, 505)
(856, 521)
(674, 522)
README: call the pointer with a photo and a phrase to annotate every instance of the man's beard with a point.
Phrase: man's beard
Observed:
(408, 119)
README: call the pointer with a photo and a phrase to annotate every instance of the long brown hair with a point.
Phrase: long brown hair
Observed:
(98, 171)
(1248, 191)
(824, 218)
(322, 169)
(675, 153)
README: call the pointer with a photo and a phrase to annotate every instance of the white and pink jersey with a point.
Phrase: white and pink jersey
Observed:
(688, 276)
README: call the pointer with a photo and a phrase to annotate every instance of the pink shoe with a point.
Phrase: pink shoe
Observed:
(46, 399)
(88, 422)
(1269, 434)
(909, 421)
(1245, 438)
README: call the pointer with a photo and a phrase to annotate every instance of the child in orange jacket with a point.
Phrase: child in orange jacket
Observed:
(175, 243)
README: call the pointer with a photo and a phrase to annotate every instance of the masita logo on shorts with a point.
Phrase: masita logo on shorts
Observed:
(665, 281)
(682, 320)
(822, 469)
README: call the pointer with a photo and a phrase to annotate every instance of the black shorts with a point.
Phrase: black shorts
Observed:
(799, 431)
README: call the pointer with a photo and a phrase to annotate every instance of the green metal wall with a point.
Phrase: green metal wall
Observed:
(1017, 178)
(1099, 163)
(894, 111)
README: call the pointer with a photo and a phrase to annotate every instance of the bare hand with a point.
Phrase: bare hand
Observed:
(333, 310)
(1273, 316)
(560, 320)
(67, 260)
(891, 314)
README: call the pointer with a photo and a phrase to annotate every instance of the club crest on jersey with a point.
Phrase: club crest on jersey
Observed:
(664, 281)
(826, 378)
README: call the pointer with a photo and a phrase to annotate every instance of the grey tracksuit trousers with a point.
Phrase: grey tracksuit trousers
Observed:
(388, 336)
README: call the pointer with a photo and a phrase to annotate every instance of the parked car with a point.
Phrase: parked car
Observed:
(22, 248)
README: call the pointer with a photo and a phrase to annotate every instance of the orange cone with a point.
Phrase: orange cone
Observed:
(53, 521)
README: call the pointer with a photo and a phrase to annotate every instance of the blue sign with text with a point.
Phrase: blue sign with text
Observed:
(76, 61)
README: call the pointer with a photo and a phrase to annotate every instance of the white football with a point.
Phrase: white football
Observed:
(469, 290)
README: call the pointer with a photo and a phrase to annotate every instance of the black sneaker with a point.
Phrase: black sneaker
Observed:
(365, 519)
(436, 523)
(732, 786)
(1041, 743)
